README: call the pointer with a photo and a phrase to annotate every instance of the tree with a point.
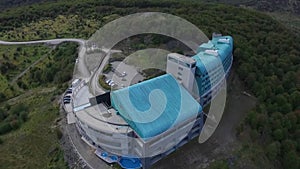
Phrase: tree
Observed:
(278, 134)
(273, 150)
(15, 124)
(3, 114)
(17, 109)
(5, 128)
(23, 116)
(2, 97)
(288, 145)
(295, 99)
(291, 160)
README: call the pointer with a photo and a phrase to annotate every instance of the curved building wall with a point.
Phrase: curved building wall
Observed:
(107, 138)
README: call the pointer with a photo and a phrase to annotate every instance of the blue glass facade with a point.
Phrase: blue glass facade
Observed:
(213, 62)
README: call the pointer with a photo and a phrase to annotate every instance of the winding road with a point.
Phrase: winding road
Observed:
(81, 69)
(84, 73)
(50, 41)
(95, 89)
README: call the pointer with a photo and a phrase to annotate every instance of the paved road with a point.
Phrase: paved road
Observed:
(84, 151)
(95, 89)
(82, 70)
(81, 66)
(51, 41)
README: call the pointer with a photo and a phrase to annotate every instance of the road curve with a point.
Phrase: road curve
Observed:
(94, 86)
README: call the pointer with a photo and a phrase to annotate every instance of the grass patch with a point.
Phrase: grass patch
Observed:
(29, 146)
(152, 73)
(102, 79)
(15, 59)
(148, 58)
(219, 165)
(107, 68)
(117, 57)
(59, 27)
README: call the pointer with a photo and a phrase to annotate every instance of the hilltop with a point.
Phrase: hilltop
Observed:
(265, 59)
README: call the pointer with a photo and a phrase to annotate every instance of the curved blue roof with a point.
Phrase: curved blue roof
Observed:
(206, 62)
(153, 106)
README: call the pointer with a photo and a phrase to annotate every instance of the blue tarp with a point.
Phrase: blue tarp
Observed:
(153, 106)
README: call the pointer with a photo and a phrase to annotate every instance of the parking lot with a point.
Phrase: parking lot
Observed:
(123, 75)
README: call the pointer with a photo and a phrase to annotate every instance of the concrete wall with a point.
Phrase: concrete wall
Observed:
(162, 145)
(115, 143)
(183, 74)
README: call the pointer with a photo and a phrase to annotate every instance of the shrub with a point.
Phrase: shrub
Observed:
(102, 82)
(15, 124)
(3, 114)
(59, 133)
(2, 97)
(23, 116)
(107, 68)
(17, 109)
(5, 128)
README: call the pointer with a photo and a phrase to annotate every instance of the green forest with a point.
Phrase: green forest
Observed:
(266, 58)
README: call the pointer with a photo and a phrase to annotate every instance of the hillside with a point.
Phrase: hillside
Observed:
(266, 58)
(292, 6)
(4, 4)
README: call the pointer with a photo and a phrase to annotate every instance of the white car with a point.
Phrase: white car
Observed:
(108, 81)
(123, 74)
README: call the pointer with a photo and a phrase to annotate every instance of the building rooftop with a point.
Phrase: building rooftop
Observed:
(211, 54)
(182, 58)
(102, 119)
(153, 106)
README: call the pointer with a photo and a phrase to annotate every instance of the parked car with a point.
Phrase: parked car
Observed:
(75, 82)
(111, 82)
(68, 94)
(66, 102)
(124, 74)
(67, 97)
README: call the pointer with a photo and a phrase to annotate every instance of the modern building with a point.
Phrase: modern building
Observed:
(138, 125)
(213, 62)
